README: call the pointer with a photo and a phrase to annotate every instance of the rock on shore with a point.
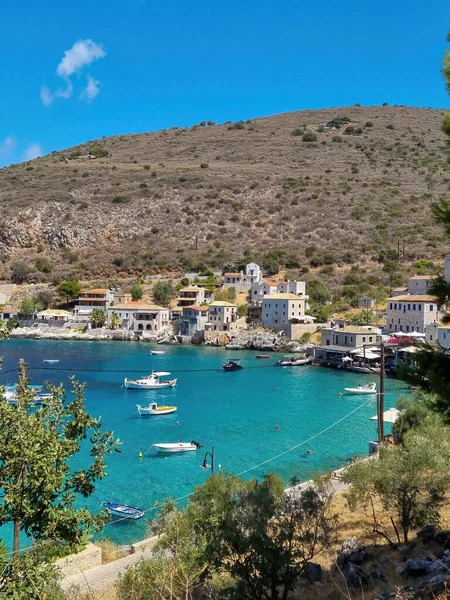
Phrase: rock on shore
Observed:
(263, 340)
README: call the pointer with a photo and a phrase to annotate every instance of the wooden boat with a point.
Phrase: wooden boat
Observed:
(262, 356)
(51, 361)
(370, 388)
(150, 382)
(233, 365)
(177, 447)
(124, 511)
(291, 361)
(154, 352)
(153, 410)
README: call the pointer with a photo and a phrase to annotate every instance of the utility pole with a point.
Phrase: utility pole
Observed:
(380, 402)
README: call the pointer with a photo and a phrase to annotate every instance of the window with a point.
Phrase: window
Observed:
(395, 306)
(399, 306)
(390, 325)
(345, 340)
(364, 338)
(431, 307)
(370, 339)
(351, 339)
(414, 307)
(419, 306)
(407, 328)
(409, 306)
(390, 305)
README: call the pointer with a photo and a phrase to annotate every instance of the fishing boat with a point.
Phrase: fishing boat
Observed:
(370, 388)
(262, 356)
(51, 361)
(178, 447)
(233, 365)
(153, 409)
(124, 511)
(157, 352)
(291, 361)
(150, 382)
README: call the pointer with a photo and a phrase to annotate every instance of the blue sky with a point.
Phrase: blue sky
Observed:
(142, 65)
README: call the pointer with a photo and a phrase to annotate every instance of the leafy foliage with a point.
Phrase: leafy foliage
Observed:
(114, 321)
(163, 292)
(69, 289)
(19, 272)
(98, 317)
(137, 291)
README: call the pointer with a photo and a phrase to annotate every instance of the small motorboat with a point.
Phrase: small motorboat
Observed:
(124, 511)
(157, 352)
(153, 410)
(370, 388)
(233, 365)
(51, 361)
(178, 447)
(150, 382)
(291, 361)
(262, 356)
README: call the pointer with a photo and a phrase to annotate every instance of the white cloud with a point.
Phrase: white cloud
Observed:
(32, 151)
(7, 145)
(81, 55)
(91, 90)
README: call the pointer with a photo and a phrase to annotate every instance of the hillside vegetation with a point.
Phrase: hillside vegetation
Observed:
(212, 194)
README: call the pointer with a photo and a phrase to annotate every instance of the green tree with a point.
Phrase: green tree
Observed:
(98, 317)
(114, 321)
(45, 298)
(409, 482)
(40, 488)
(69, 290)
(28, 307)
(163, 292)
(19, 272)
(137, 291)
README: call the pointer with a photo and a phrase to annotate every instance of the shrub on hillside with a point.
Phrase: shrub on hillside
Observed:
(43, 265)
(309, 136)
(19, 272)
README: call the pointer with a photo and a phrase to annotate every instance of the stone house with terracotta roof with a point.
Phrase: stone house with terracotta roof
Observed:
(90, 299)
(140, 317)
(265, 288)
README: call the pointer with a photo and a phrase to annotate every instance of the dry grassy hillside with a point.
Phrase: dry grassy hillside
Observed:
(211, 193)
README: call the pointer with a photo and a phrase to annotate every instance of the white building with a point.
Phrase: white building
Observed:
(54, 314)
(222, 316)
(139, 317)
(243, 281)
(411, 313)
(90, 299)
(266, 288)
(280, 310)
(254, 273)
(438, 334)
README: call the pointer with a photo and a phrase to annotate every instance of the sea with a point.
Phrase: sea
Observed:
(293, 421)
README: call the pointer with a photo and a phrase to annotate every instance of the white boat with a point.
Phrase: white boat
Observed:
(157, 352)
(370, 388)
(123, 510)
(153, 409)
(150, 382)
(291, 361)
(178, 447)
(51, 361)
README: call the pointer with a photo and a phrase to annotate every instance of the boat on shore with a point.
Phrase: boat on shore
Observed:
(155, 352)
(291, 361)
(233, 365)
(370, 388)
(154, 410)
(123, 510)
(178, 447)
(150, 382)
(262, 356)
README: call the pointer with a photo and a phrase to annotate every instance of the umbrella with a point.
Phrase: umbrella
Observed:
(389, 416)
(414, 334)
(347, 359)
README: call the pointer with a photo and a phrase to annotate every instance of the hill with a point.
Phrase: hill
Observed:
(210, 193)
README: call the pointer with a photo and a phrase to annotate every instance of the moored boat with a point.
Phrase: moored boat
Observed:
(262, 356)
(150, 382)
(178, 447)
(51, 361)
(370, 388)
(157, 352)
(123, 510)
(291, 361)
(153, 409)
(233, 365)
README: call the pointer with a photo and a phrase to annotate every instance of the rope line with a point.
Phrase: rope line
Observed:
(265, 462)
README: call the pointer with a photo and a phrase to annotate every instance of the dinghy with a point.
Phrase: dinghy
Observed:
(233, 365)
(153, 409)
(157, 352)
(370, 388)
(262, 356)
(124, 511)
(291, 361)
(178, 447)
(51, 361)
(150, 382)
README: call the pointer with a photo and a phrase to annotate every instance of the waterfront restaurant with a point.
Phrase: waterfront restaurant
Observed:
(346, 347)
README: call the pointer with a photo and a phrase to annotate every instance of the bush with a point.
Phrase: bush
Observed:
(390, 126)
(120, 200)
(19, 272)
(69, 289)
(369, 124)
(43, 265)
(204, 165)
(163, 292)
(99, 151)
(309, 136)
(297, 131)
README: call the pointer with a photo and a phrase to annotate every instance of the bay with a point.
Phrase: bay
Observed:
(250, 416)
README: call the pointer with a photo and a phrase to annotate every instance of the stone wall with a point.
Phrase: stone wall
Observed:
(88, 558)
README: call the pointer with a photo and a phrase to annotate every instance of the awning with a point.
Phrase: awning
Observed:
(369, 355)
(416, 334)
(409, 349)
(347, 359)
(389, 416)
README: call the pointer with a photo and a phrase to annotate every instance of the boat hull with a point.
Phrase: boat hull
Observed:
(154, 412)
(262, 356)
(356, 392)
(123, 511)
(175, 448)
(136, 385)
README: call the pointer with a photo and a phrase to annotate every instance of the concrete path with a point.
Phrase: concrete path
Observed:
(99, 578)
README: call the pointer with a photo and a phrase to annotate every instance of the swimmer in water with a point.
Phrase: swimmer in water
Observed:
(177, 423)
(277, 427)
(309, 452)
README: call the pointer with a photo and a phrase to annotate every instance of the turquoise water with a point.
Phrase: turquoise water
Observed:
(236, 412)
